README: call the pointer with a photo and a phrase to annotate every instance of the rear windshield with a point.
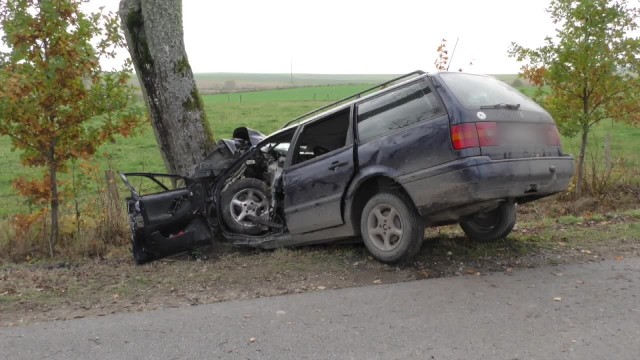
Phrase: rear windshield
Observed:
(475, 91)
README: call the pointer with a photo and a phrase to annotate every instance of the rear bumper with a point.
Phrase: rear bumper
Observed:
(479, 179)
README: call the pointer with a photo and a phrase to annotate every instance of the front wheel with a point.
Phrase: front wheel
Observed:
(244, 200)
(490, 225)
(391, 229)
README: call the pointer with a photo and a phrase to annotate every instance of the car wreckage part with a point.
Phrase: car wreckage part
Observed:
(490, 225)
(243, 202)
(391, 228)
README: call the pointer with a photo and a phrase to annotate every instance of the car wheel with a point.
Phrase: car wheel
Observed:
(244, 199)
(490, 225)
(391, 229)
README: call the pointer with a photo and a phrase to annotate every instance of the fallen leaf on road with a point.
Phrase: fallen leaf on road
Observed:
(618, 258)
(557, 298)
(321, 287)
(377, 281)
(558, 274)
(252, 339)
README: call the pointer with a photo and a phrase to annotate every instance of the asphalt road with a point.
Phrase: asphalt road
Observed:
(582, 311)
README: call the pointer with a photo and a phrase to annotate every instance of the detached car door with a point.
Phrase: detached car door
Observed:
(166, 214)
(321, 166)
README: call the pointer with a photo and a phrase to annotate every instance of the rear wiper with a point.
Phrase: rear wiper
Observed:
(501, 106)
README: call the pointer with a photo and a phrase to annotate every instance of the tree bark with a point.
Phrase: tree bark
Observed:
(581, 157)
(584, 122)
(55, 202)
(153, 30)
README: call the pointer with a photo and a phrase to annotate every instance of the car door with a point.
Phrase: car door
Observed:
(166, 213)
(320, 168)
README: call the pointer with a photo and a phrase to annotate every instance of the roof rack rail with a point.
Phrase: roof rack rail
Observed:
(354, 96)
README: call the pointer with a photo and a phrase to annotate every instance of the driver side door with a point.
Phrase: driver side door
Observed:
(166, 213)
(321, 167)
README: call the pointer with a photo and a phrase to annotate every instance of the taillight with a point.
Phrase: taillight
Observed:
(469, 135)
(464, 136)
(552, 136)
(488, 133)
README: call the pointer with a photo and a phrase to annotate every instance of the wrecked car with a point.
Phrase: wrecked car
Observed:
(421, 150)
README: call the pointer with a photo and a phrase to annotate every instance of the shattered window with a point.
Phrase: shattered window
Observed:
(153, 184)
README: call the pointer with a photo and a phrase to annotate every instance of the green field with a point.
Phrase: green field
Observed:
(265, 111)
(288, 79)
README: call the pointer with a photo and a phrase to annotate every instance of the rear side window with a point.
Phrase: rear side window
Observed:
(476, 91)
(396, 110)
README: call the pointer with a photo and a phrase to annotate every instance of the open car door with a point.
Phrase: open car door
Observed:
(166, 214)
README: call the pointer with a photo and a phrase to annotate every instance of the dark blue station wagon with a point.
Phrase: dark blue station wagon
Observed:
(421, 150)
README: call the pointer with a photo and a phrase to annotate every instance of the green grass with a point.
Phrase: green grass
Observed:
(287, 79)
(316, 93)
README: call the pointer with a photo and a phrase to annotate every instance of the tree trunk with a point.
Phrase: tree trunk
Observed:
(53, 187)
(153, 29)
(581, 156)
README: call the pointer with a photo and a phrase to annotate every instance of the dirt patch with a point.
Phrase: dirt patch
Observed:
(41, 292)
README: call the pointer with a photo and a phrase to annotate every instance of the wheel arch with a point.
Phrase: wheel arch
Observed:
(363, 189)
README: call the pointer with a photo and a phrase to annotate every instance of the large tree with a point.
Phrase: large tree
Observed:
(589, 71)
(153, 29)
(56, 101)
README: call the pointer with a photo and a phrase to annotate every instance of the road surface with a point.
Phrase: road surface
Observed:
(580, 311)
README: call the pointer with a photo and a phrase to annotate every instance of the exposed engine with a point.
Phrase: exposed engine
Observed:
(265, 164)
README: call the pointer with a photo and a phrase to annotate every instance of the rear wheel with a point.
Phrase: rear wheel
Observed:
(391, 229)
(243, 200)
(490, 225)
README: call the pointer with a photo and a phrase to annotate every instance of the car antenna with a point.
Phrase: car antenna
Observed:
(453, 53)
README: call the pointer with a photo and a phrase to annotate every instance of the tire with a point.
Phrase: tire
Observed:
(491, 225)
(244, 197)
(391, 229)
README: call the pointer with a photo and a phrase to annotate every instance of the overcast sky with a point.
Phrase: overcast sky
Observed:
(356, 36)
